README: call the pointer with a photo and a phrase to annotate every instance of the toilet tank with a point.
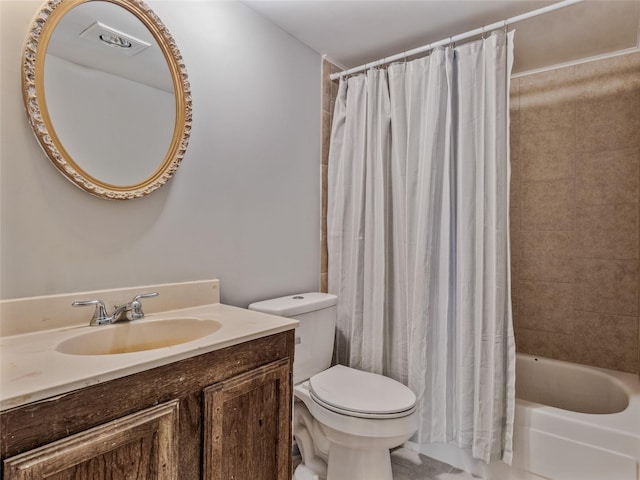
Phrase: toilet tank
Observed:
(316, 313)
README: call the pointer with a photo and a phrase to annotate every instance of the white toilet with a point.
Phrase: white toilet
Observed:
(345, 420)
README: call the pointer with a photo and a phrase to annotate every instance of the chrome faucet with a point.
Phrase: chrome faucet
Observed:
(128, 311)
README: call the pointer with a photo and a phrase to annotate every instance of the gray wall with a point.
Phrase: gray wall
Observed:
(244, 205)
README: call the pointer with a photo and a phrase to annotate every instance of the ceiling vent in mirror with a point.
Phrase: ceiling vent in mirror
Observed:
(101, 34)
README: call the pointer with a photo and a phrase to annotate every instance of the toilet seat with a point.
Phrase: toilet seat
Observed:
(361, 394)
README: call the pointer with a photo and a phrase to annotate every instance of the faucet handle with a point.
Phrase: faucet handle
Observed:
(144, 295)
(100, 314)
(136, 312)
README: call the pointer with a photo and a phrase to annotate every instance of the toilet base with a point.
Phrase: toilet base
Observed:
(358, 464)
(351, 464)
(304, 473)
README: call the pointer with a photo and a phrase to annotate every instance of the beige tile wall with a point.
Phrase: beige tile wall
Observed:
(329, 92)
(575, 212)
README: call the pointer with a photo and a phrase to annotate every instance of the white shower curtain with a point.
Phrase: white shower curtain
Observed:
(418, 242)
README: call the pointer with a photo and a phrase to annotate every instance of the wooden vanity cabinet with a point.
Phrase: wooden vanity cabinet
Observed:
(222, 415)
(140, 445)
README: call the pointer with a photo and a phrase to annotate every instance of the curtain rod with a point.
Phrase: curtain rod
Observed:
(456, 38)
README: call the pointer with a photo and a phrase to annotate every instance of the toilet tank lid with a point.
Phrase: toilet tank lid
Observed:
(293, 305)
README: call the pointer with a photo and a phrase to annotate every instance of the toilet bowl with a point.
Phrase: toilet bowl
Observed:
(355, 428)
(345, 421)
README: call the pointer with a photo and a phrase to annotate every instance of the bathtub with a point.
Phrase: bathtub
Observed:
(572, 422)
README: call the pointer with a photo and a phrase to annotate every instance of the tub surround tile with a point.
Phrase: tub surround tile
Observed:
(514, 137)
(607, 341)
(324, 172)
(608, 231)
(329, 94)
(613, 83)
(607, 123)
(547, 115)
(334, 89)
(550, 78)
(546, 306)
(607, 286)
(547, 255)
(546, 90)
(618, 93)
(324, 258)
(516, 333)
(515, 147)
(610, 76)
(514, 229)
(547, 205)
(326, 84)
(546, 344)
(548, 155)
(515, 281)
(514, 185)
(516, 164)
(543, 108)
(575, 212)
(514, 102)
(609, 177)
(326, 137)
(515, 313)
(514, 89)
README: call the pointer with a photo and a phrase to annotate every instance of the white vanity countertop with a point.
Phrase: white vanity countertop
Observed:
(31, 369)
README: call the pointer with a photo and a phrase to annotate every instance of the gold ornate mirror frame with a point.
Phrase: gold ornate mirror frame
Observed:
(33, 94)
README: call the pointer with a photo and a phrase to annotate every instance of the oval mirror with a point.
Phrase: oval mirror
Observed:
(107, 95)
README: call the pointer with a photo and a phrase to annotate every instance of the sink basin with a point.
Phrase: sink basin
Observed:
(136, 336)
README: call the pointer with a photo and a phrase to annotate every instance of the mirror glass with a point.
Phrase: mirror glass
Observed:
(111, 104)
(110, 93)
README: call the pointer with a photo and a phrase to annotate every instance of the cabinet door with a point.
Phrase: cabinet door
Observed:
(247, 426)
(140, 446)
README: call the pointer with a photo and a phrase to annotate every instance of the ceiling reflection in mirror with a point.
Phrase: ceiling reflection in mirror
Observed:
(113, 93)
